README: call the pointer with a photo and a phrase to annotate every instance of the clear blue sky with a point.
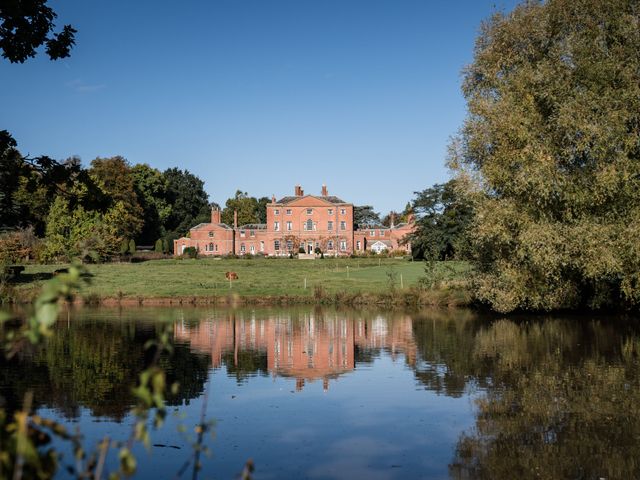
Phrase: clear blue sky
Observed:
(259, 95)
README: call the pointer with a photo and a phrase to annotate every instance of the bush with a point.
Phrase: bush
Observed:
(132, 246)
(158, 247)
(190, 252)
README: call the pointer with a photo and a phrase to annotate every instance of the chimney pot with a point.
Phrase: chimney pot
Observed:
(324, 190)
(235, 219)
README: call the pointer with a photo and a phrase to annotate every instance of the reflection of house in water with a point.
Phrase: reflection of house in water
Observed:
(309, 347)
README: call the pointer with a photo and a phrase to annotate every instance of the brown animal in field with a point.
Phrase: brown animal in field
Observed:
(231, 276)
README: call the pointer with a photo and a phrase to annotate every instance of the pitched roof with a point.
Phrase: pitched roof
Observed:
(328, 198)
(202, 225)
(253, 226)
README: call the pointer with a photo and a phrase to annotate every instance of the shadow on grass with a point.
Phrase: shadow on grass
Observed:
(26, 278)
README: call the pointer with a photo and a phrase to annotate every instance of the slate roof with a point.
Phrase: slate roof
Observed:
(201, 225)
(328, 198)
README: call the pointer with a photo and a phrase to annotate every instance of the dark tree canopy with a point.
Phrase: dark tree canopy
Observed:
(188, 199)
(364, 216)
(551, 154)
(26, 25)
(443, 219)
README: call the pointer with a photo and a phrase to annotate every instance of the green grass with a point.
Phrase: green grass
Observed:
(257, 277)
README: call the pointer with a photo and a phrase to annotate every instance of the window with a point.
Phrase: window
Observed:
(211, 247)
(252, 233)
(382, 233)
(261, 246)
(372, 233)
(343, 245)
(289, 245)
(308, 225)
(252, 249)
(309, 211)
(276, 245)
(343, 225)
(330, 211)
(211, 234)
(330, 245)
(288, 212)
(343, 211)
(242, 233)
(276, 211)
(242, 248)
(276, 226)
(330, 225)
(289, 226)
(358, 245)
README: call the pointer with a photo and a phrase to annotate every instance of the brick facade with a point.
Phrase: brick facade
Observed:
(311, 222)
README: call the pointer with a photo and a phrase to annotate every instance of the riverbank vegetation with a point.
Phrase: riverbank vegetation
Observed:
(260, 280)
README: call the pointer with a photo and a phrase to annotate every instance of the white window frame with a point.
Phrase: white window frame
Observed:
(343, 211)
(343, 245)
(330, 225)
(289, 226)
(276, 226)
(276, 211)
(309, 211)
(343, 225)
(288, 211)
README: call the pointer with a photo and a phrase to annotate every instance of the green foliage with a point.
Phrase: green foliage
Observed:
(364, 216)
(249, 209)
(132, 247)
(165, 246)
(549, 154)
(124, 246)
(27, 25)
(443, 221)
(151, 190)
(190, 252)
(188, 200)
(158, 246)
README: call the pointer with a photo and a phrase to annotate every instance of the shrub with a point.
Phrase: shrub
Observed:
(158, 247)
(190, 252)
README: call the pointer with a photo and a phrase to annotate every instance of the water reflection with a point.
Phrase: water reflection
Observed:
(312, 346)
(434, 394)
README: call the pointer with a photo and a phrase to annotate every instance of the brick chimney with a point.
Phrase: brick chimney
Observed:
(215, 215)
(393, 219)
(273, 199)
(324, 190)
(298, 191)
(235, 219)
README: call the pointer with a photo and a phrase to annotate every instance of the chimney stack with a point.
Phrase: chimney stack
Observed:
(273, 198)
(235, 219)
(324, 190)
(298, 191)
(393, 219)
(215, 215)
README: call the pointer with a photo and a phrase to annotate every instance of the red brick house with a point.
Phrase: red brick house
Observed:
(312, 222)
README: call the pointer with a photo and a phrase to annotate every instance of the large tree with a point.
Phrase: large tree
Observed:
(188, 200)
(26, 25)
(248, 209)
(443, 218)
(550, 152)
(364, 216)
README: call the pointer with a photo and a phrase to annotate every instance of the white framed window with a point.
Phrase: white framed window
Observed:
(211, 234)
(289, 226)
(343, 245)
(330, 245)
(357, 244)
(382, 233)
(252, 249)
(276, 245)
(242, 233)
(309, 211)
(276, 211)
(372, 233)
(288, 211)
(308, 225)
(252, 233)
(242, 248)
(211, 247)
(343, 225)
(330, 225)
(289, 245)
(330, 211)
(343, 211)
(276, 226)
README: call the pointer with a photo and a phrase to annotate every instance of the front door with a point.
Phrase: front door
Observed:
(309, 247)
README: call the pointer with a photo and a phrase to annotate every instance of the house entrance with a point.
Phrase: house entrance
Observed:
(309, 247)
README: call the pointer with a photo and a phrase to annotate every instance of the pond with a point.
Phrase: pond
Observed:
(323, 393)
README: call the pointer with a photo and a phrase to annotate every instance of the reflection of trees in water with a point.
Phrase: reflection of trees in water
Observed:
(564, 402)
(94, 364)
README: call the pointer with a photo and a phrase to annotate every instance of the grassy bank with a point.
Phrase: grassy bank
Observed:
(344, 280)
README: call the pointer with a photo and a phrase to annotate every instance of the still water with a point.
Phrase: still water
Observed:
(322, 394)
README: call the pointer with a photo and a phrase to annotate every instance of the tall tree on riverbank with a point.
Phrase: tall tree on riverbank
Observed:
(550, 153)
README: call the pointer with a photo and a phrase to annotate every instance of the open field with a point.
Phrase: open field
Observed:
(256, 277)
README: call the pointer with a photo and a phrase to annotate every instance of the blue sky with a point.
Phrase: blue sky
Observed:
(257, 95)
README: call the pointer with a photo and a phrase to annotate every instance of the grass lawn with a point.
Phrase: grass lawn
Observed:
(256, 277)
